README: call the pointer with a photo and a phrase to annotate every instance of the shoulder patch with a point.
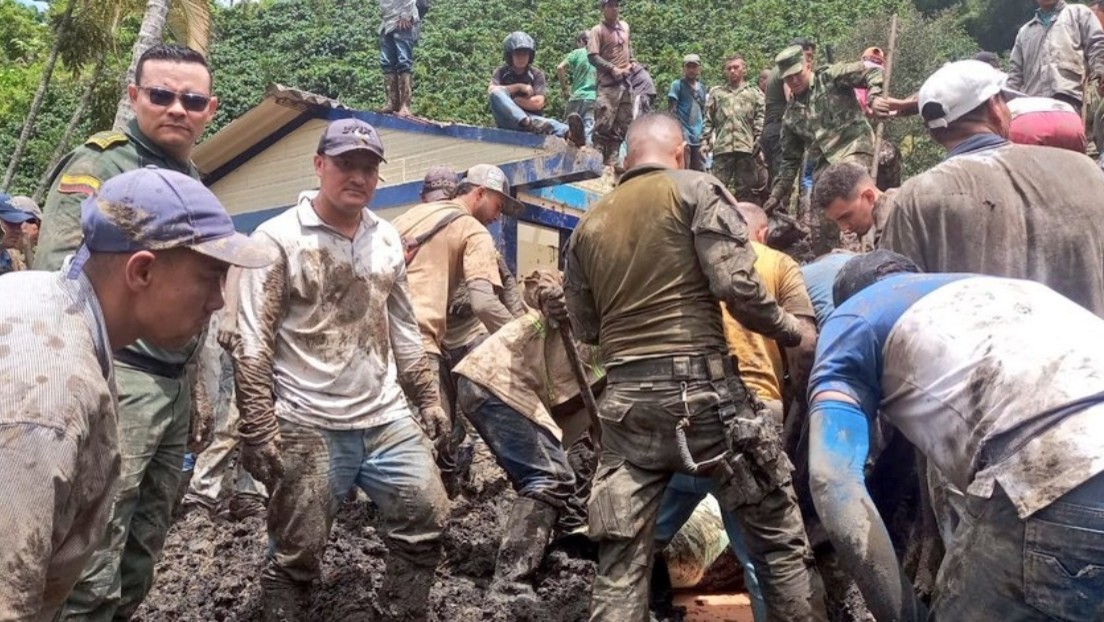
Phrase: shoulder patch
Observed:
(106, 140)
(71, 183)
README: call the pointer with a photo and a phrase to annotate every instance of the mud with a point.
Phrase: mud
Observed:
(210, 569)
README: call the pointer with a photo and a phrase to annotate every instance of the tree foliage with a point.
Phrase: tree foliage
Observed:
(330, 47)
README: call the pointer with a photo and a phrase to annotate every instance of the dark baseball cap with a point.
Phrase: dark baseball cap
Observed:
(440, 181)
(158, 209)
(11, 214)
(345, 135)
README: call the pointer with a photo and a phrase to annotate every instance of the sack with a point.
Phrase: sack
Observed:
(412, 244)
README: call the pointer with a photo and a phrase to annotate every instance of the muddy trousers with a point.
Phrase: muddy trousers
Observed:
(392, 463)
(1049, 566)
(212, 462)
(638, 458)
(154, 416)
(737, 171)
(534, 460)
(613, 112)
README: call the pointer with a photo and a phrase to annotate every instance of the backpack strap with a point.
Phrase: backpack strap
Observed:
(412, 244)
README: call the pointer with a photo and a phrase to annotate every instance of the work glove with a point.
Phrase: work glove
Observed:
(553, 304)
(263, 461)
(435, 422)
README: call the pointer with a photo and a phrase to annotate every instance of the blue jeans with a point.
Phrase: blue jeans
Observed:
(508, 115)
(1049, 566)
(534, 460)
(391, 463)
(585, 109)
(397, 50)
(683, 494)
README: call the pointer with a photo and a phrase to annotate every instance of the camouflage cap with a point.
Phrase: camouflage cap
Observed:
(790, 61)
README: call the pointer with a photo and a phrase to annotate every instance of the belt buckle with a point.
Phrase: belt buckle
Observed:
(680, 367)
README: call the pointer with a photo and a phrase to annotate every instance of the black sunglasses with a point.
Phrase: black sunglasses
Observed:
(192, 102)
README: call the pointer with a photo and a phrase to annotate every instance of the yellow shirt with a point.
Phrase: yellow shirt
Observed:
(759, 358)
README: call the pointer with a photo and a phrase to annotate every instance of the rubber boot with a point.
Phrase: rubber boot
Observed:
(404, 596)
(527, 532)
(284, 602)
(390, 87)
(405, 91)
(576, 131)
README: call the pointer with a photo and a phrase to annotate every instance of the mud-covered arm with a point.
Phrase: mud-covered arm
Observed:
(511, 293)
(726, 257)
(838, 447)
(262, 305)
(415, 375)
(487, 306)
(580, 300)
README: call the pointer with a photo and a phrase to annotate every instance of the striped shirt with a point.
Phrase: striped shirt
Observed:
(58, 449)
(330, 322)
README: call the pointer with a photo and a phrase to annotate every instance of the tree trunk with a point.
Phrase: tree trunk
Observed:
(74, 121)
(39, 96)
(153, 25)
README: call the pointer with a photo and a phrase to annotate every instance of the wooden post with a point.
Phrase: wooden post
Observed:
(885, 92)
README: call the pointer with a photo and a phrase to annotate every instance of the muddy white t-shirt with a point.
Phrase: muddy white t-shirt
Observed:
(954, 361)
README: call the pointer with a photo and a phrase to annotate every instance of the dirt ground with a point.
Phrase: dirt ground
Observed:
(210, 566)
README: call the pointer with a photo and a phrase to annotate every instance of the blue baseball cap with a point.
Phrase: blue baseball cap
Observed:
(11, 214)
(158, 209)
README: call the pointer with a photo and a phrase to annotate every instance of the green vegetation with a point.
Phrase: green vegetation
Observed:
(329, 47)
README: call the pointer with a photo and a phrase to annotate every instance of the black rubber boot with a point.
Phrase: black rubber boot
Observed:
(285, 602)
(527, 533)
(576, 131)
(404, 596)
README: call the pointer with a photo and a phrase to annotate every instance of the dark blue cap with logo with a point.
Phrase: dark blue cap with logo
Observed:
(158, 209)
(11, 214)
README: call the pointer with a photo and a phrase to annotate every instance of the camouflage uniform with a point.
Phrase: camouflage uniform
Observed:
(155, 399)
(733, 125)
(826, 121)
(1094, 122)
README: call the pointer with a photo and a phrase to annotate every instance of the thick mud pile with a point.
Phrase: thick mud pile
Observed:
(210, 569)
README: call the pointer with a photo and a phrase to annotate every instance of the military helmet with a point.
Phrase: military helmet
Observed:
(518, 41)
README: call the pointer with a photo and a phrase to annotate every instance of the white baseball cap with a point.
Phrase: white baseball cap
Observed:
(957, 88)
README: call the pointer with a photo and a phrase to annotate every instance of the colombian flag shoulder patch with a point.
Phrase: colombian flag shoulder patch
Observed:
(78, 184)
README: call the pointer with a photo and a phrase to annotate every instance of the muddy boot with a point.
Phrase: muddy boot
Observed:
(576, 133)
(522, 548)
(390, 87)
(538, 126)
(404, 596)
(404, 90)
(285, 602)
(242, 506)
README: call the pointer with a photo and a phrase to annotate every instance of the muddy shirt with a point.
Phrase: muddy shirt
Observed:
(612, 44)
(330, 323)
(1008, 211)
(462, 252)
(827, 122)
(1052, 60)
(644, 262)
(58, 448)
(525, 365)
(960, 364)
(759, 358)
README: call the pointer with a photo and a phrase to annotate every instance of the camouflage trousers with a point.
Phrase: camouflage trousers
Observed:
(613, 112)
(738, 172)
(639, 456)
(154, 417)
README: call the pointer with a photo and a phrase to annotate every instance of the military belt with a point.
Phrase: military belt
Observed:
(691, 367)
(149, 364)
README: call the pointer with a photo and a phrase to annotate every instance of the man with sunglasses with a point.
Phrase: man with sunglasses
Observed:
(172, 102)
